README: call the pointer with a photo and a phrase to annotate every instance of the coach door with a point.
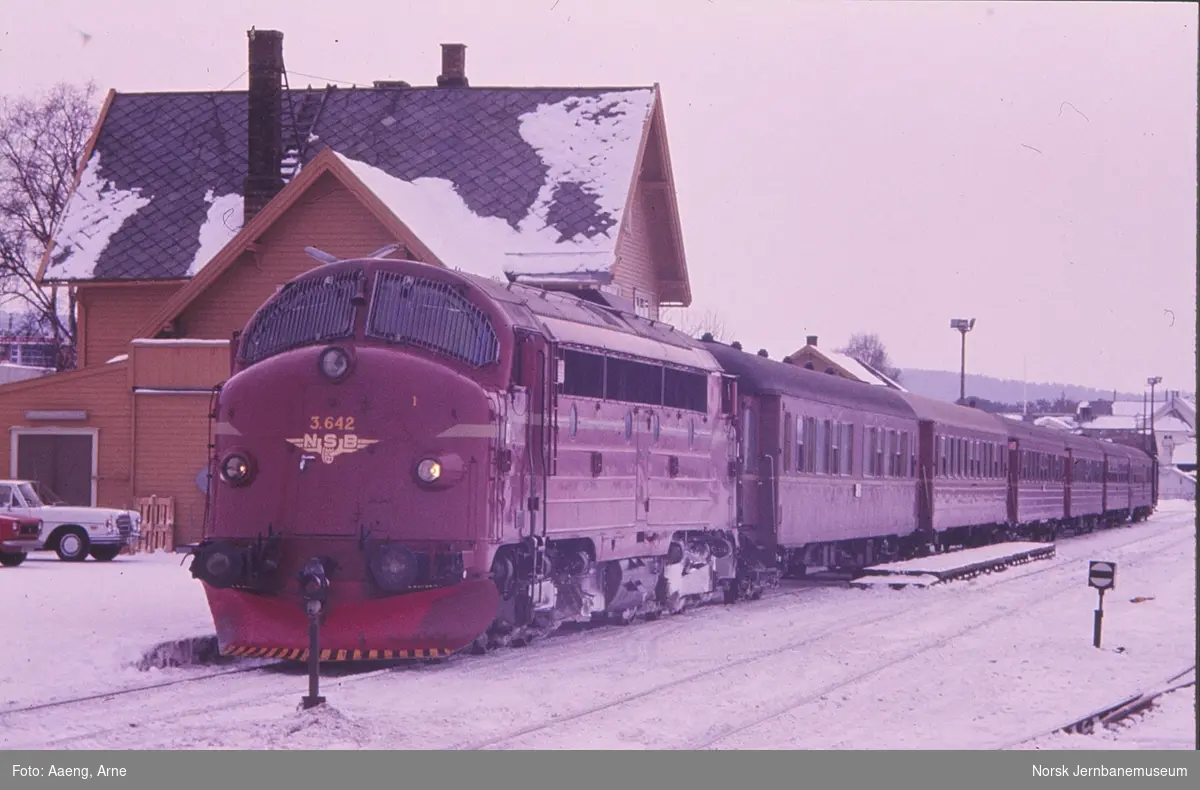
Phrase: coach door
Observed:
(1067, 479)
(1014, 478)
(927, 472)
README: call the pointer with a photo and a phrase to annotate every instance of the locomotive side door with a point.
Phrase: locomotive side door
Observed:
(537, 371)
(644, 419)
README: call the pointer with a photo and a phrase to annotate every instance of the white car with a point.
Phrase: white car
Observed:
(72, 532)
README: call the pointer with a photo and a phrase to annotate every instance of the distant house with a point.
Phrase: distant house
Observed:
(838, 364)
(1173, 420)
(191, 209)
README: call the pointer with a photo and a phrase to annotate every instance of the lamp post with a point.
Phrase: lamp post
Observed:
(1152, 381)
(963, 325)
(1153, 444)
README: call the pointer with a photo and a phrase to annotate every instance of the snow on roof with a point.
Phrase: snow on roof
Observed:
(1013, 417)
(1128, 408)
(117, 358)
(95, 211)
(581, 142)
(1057, 423)
(1114, 423)
(855, 368)
(222, 224)
(1170, 424)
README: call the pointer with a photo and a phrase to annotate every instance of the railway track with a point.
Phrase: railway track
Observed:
(287, 678)
(94, 716)
(1116, 712)
(710, 677)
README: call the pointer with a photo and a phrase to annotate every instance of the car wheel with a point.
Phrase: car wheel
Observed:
(12, 560)
(72, 545)
(105, 553)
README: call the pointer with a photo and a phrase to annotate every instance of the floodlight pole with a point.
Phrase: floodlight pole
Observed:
(963, 325)
(1153, 443)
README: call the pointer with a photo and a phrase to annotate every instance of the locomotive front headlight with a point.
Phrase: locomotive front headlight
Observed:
(429, 470)
(335, 363)
(235, 469)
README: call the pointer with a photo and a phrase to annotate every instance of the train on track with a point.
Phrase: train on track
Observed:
(427, 461)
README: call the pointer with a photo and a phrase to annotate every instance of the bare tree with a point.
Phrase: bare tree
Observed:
(41, 146)
(697, 324)
(869, 350)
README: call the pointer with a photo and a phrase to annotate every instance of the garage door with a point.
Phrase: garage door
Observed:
(62, 461)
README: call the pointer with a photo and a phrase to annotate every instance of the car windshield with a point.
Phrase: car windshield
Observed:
(38, 495)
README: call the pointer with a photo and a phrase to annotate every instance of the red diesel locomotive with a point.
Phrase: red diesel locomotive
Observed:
(430, 460)
(448, 460)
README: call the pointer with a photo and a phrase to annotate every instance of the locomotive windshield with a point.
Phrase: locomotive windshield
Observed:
(304, 312)
(431, 315)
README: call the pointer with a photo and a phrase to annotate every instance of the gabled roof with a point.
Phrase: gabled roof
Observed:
(161, 190)
(852, 367)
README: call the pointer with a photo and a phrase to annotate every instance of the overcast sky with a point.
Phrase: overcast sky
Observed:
(841, 167)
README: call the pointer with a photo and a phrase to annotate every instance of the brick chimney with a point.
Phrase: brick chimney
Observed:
(812, 341)
(264, 160)
(454, 67)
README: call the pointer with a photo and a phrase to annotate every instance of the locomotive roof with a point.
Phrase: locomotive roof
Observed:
(762, 375)
(953, 415)
(599, 324)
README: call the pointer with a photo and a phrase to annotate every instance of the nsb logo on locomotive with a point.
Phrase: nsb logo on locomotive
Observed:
(331, 445)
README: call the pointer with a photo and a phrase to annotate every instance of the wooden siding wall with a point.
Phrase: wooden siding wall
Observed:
(172, 442)
(175, 364)
(110, 315)
(635, 270)
(327, 217)
(103, 392)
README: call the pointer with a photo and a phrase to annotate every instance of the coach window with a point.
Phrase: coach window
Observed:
(788, 440)
(847, 448)
(574, 420)
(801, 433)
(835, 455)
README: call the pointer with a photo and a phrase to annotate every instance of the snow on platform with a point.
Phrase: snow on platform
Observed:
(78, 628)
(926, 571)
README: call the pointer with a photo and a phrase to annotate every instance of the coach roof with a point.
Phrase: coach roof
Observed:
(760, 375)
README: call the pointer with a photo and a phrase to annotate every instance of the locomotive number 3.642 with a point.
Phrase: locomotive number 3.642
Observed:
(331, 423)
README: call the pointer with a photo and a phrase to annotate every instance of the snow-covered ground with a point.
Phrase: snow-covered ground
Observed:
(986, 663)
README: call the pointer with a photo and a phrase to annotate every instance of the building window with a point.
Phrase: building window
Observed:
(641, 304)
